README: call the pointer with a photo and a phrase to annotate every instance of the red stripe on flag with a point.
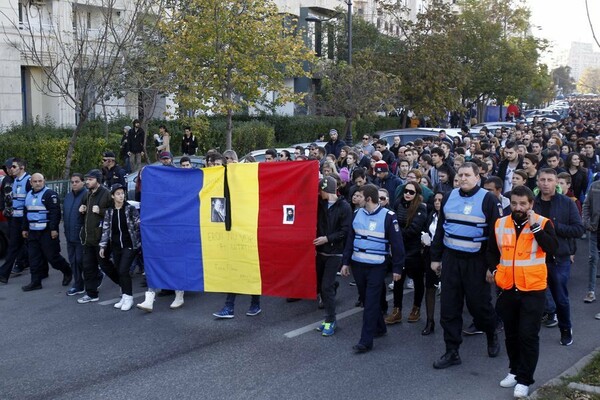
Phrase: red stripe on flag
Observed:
(285, 250)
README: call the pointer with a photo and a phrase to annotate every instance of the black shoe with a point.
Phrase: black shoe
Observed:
(67, 278)
(566, 337)
(17, 271)
(429, 328)
(320, 305)
(361, 348)
(165, 292)
(31, 286)
(3, 279)
(493, 345)
(449, 359)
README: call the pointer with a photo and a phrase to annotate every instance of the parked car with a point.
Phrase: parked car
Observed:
(491, 126)
(259, 155)
(410, 134)
(131, 179)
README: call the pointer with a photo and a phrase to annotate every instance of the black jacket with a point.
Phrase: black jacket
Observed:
(189, 145)
(411, 234)
(113, 175)
(135, 140)
(503, 166)
(567, 224)
(333, 222)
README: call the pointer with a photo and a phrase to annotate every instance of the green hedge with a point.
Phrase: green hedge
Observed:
(44, 145)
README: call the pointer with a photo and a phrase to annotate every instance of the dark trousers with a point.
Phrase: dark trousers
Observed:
(15, 249)
(75, 252)
(521, 313)
(42, 247)
(414, 270)
(230, 300)
(119, 268)
(91, 274)
(370, 281)
(327, 268)
(463, 277)
(558, 279)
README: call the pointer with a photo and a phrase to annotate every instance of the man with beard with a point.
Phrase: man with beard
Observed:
(516, 258)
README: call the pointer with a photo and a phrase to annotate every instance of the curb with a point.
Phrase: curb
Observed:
(573, 370)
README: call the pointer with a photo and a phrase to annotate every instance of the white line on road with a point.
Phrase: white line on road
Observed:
(345, 314)
(113, 301)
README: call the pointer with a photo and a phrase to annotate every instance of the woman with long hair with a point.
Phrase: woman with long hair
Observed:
(579, 175)
(431, 278)
(412, 216)
(341, 161)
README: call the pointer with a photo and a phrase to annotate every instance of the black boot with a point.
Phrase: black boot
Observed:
(493, 345)
(430, 307)
(429, 328)
(449, 359)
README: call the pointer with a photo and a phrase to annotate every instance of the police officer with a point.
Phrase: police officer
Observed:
(459, 246)
(20, 187)
(375, 232)
(40, 226)
(516, 258)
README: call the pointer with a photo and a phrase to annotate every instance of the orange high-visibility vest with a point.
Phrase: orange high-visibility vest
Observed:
(522, 261)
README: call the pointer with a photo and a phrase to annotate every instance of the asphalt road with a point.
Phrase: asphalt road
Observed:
(54, 348)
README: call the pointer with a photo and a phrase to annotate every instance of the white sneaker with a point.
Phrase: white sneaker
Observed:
(521, 391)
(597, 316)
(127, 303)
(410, 284)
(87, 299)
(391, 286)
(590, 297)
(120, 303)
(509, 381)
(178, 302)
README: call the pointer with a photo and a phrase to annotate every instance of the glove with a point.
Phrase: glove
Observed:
(425, 239)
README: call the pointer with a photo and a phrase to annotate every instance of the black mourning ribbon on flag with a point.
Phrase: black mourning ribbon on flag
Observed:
(227, 196)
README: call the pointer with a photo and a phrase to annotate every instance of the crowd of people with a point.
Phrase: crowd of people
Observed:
(488, 217)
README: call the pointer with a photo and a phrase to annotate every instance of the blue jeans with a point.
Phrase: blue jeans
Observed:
(593, 261)
(230, 301)
(75, 252)
(558, 279)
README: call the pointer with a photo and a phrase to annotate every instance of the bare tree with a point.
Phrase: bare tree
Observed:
(81, 61)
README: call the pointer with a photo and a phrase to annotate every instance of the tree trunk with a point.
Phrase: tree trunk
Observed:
(71, 150)
(229, 129)
(348, 129)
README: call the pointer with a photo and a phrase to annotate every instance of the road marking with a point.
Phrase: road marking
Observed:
(114, 301)
(345, 314)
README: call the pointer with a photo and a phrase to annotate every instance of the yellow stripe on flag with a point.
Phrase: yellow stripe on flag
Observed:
(242, 273)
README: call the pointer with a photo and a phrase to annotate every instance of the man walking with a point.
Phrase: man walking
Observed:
(73, 225)
(334, 217)
(516, 259)
(564, 214)
(21, 185)
(93, 208)
(375, 233)
(458, 252)
(41, 220)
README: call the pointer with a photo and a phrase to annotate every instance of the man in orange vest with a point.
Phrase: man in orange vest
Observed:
(516, 257)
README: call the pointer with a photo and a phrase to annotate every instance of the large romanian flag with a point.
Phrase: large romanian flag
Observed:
(244, 228)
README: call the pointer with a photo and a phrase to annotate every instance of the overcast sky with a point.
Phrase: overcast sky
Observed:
(565, 21)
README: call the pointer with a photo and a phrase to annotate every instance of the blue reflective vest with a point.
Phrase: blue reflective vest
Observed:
(370, 243)
(37, 214)
(464, 227)
(19, 192)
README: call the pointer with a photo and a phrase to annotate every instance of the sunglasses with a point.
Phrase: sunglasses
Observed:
(411, 192)
(104, 159)
(382, 198)
(282, 155)
(365, 138)
(14, 166)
